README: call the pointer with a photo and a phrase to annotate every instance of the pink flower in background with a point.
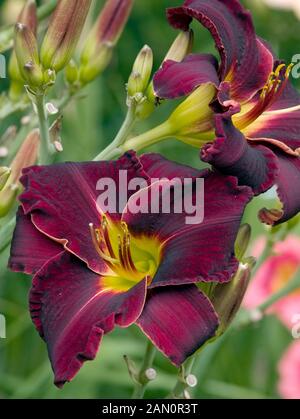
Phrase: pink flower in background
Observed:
(275, 274)
(289, 372)
(285, 4)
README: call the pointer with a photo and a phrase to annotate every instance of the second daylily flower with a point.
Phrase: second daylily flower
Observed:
(245, 107)
(95, 270)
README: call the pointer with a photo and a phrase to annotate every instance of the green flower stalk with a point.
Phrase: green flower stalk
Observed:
(63, 33)
(105, 34)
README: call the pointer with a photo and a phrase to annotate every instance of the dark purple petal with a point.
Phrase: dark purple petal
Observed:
(231, 154)
(158, 167)
(288, 187)
(245, 62)
(283, 127)
(178, 320)
(203, 251)
(30, 249)
(179, 79)
(72, 309)
(62, 201)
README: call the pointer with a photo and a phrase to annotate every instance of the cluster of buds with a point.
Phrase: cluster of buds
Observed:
(9, 176)
(140, 85)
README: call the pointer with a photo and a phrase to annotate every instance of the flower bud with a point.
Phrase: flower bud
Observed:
(26, 50)
(181, 47)
(141, 73)
(4, 175)
(26, 156)
(227, 298)
(242, 241)
(103, 37)
(71, 72)
(192, 121)
(63, 34)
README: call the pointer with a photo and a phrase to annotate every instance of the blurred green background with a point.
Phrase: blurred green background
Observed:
(243, 364)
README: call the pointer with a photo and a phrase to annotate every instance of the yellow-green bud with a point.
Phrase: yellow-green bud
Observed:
(63, 33)
(181, 47)
(26, 50)
(26, 156)
(227, 298)
(106, 32)
(141, 73)
(242, 241)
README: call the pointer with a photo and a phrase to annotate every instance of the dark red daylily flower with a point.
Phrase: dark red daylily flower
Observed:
(256, 111)
(93, 271)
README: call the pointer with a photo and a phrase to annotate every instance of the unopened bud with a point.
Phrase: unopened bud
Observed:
(103, 37)
(242, 241)
(7, 198)
(4, 175)
(71, 72)
(191, 380)
(63, 34)
(26, 50)
(227, 298)
(181, 47)
(141, 73)
(55, 137)
(28, 17)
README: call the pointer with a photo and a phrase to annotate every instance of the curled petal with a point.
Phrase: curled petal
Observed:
(232, 155)
(216, 214)
(178, 320)
(245, 61)
(62, 201)
(72, 309)
(179, 79)
(30, 249)
(288, 185)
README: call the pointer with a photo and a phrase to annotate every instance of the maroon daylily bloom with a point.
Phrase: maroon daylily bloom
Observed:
(256, 107)
(93, 271)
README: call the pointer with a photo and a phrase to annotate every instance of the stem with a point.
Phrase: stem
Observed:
(113, 150)
(47, 149)
(181, 384)
(149, 138)
(140, 386)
